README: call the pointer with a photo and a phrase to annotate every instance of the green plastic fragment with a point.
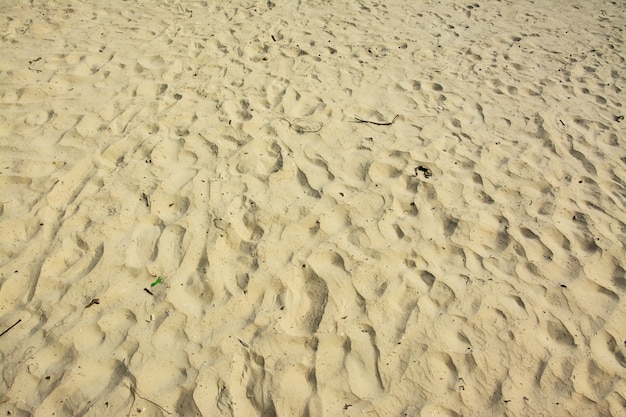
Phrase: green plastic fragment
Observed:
(157, 282)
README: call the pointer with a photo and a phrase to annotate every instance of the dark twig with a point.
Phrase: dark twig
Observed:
(134, 392)
(92, 302)
(359, 120)
(14, 324)
(130, 410)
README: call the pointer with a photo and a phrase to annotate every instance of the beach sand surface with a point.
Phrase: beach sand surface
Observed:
(312, 208)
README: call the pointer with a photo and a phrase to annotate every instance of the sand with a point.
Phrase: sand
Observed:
(465, 258)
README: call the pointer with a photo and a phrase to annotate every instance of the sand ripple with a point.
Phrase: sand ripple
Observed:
(465, 260)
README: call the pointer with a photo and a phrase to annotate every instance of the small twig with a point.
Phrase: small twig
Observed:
(134, 391)
(130, 410)
(14, 324)
(300, 129)
(359, 120)
(92, 302)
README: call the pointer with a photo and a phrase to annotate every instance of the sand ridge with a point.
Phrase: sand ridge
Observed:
(466, 259)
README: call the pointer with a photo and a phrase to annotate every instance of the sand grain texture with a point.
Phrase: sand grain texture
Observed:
(465, 260)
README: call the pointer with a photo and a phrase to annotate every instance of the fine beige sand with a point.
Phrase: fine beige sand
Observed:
(464, 255)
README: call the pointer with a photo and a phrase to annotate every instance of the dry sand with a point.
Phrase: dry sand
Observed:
(465, 260)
